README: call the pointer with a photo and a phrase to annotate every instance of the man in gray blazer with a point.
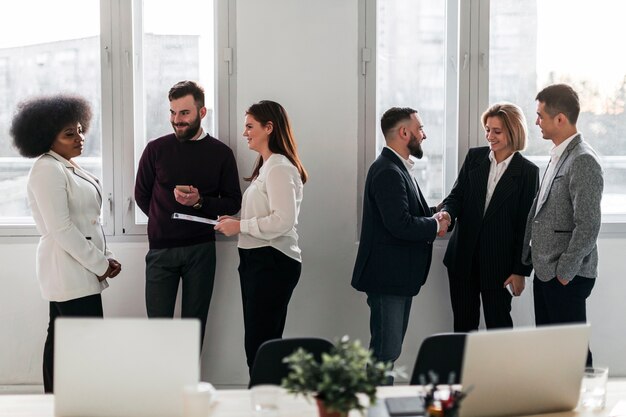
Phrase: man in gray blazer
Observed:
(564, 221)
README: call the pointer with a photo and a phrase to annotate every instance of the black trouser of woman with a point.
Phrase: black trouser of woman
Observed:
(89, 306)
(268, 278)
(465, 296)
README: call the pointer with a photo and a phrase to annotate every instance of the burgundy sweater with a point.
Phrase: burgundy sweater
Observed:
(208, 165)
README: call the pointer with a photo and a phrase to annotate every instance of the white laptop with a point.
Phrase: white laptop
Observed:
(523, 371)
(124, 367)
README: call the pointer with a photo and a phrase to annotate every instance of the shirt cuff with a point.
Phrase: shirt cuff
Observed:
(244, 227)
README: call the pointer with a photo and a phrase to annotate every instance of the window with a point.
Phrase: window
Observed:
(451, 59)
(410, 71)
(59, 56)
(536, 43)
(123, 56)
(170, 50)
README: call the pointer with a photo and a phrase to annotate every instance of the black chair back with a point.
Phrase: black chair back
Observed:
(268, 366)
(442, 354)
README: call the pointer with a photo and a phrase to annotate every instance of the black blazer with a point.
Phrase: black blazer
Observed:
(397, 231)
(498, 235)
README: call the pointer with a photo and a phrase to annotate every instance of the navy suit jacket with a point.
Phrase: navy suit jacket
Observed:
(497, 236)
(397, 231)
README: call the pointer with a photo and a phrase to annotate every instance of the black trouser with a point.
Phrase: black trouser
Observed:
(165, 268)
(556, 303)
(268, 278)
(465, 297)
(90, 306)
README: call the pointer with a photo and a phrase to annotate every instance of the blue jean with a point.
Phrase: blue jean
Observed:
(389, 319)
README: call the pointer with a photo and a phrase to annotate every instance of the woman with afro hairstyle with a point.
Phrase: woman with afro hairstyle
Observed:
(73, 261)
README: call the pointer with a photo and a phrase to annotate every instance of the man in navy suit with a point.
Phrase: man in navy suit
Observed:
(397, 233)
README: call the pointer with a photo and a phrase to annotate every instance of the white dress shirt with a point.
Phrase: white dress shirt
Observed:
(496, 170)
(66, 201)
(270, 207)
(555, 154)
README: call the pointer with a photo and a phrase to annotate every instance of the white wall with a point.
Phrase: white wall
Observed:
(303, 55)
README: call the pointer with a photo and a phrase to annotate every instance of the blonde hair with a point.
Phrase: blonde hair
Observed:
(514, 123)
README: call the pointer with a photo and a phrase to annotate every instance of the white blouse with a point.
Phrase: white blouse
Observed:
(270, 207)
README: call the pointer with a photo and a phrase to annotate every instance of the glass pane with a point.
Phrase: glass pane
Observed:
(53, 50)
(410, 59)
(174, 49)
(535, 43)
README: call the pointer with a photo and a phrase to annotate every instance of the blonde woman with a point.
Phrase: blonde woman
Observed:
(490, 202)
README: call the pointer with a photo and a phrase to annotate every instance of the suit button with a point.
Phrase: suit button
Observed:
(94, 221)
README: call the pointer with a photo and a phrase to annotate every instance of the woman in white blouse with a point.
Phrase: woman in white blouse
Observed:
(73, 261)
(270, 260)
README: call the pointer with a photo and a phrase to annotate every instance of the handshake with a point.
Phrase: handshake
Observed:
(444, 220)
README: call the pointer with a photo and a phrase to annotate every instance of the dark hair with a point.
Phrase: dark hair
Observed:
(281, 140)
(38, 121)
(393, 116)
(185, 88)
(560, 98)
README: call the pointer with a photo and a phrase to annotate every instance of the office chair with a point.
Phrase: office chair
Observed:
(268, 366)
(442, 354)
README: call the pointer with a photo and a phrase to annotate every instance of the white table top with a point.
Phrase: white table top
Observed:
(236, 403)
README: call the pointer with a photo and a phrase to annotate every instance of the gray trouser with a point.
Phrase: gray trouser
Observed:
(195, 265)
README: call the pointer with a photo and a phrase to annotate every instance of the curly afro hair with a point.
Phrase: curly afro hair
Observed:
(39, 120)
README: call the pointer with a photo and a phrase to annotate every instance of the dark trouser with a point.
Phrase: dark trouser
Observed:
(465, 296)
(90, 306)
(195, 265)
(389, 319)
(556, 303)
(268, 278)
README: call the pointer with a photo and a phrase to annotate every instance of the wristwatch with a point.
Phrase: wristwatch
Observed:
(198, 205)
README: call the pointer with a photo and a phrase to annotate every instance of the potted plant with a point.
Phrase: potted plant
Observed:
(346, 370)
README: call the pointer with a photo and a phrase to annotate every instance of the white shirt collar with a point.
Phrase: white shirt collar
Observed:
(506, 162)
(558, 150)
(408, 163)
(201, 136)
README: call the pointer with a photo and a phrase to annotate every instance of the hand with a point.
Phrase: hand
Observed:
(115, 266)
(187, 199)
(443, 218)
(112, 271)
(518, 282)
(228, 226)
(562, 281)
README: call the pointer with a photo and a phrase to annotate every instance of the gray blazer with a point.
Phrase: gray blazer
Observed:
(565, 229)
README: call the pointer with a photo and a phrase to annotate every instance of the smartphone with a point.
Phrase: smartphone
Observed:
(509, 287)
(184, 188)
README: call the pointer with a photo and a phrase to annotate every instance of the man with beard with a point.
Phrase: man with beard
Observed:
(397, 233)
(192, 173)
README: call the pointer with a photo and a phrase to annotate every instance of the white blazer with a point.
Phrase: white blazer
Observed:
(65, 201)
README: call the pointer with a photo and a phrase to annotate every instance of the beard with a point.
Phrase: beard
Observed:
(190, 132)
(415, 147)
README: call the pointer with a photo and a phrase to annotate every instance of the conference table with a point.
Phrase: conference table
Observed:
(237, 403)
